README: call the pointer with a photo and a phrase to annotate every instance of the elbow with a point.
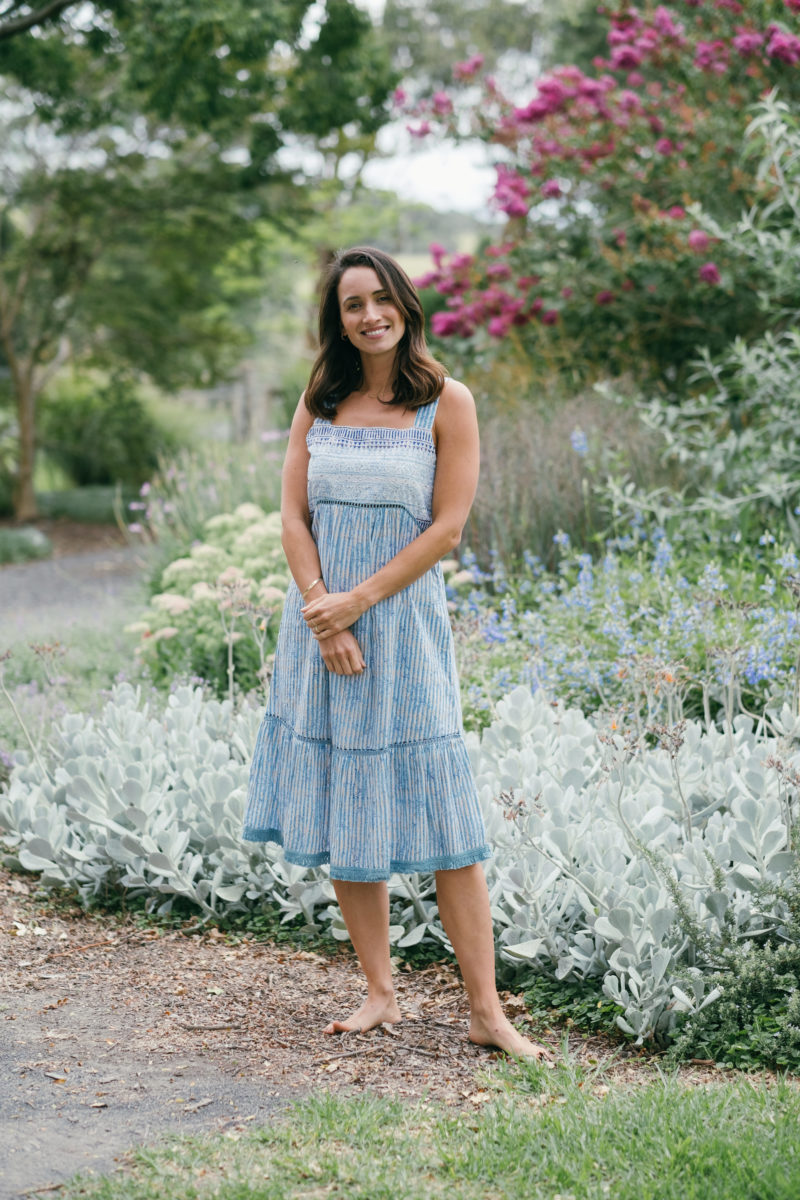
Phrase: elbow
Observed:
(452, 538)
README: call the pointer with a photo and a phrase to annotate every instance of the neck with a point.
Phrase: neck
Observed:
(377, 378)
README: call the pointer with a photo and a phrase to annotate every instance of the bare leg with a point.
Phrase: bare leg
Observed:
(464, 908)
(365, 908)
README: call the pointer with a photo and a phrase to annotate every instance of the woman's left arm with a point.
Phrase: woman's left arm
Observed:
(457, 463)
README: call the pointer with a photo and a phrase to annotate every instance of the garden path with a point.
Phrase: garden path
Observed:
(85, 578)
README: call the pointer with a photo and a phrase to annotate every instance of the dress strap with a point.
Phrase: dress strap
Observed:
(426, 415)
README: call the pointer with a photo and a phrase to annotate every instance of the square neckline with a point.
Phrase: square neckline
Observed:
(415, 424)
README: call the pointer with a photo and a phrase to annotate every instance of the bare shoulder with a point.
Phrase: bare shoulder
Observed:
(456, 410)
(303, 419)
(455, 398)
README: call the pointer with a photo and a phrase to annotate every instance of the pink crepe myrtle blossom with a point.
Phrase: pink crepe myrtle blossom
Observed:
(709, 273)
(712, 56)
(747, 41)
(442, 104)
(699, 241)
(445, 324)
(794, 5)
(549, 316)
(468, 68)
(675, 212)
(399, 97)
(510, 192)
(783, 46)
(664, 146)
(498, 271)
(551, 188)
(419, 131)
(604, 297)
(499, 326)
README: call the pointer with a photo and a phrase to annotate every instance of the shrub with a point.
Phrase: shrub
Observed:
(217, 613)
(101, 433)
(95, 504)
(23, 543)
(652, 631)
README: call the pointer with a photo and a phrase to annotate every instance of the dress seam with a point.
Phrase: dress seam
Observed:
(317, 741)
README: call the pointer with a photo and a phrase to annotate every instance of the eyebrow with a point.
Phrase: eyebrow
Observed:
(378, 291)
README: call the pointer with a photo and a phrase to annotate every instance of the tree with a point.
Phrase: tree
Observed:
(602, 267)
(145, 144)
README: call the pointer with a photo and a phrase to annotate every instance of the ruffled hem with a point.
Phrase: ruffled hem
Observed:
(450, 862)
(370, 814)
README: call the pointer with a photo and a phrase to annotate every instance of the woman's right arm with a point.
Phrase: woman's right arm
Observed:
(340, 653)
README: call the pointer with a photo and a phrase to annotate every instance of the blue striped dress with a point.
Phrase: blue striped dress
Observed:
(368, 772)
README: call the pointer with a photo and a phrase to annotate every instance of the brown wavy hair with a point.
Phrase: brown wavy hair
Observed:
(336, 373)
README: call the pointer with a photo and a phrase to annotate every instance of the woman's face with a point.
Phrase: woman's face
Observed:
(373, 324)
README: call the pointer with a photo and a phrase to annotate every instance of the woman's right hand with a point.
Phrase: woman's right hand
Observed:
(341, 654)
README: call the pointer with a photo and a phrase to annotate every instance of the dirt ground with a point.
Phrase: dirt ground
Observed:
(114, 1034)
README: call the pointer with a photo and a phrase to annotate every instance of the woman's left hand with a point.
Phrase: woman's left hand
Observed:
(331, 613)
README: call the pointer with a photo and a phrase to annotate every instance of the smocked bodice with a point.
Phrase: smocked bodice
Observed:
(372, 466)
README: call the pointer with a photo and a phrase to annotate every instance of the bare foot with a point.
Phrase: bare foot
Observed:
(379, 1010)
(501, 1033)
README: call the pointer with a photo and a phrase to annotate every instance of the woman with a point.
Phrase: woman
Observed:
(360, 759)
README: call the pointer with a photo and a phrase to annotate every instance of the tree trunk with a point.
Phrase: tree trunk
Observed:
(24, 497)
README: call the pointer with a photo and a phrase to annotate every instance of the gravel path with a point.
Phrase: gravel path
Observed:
(37, 598)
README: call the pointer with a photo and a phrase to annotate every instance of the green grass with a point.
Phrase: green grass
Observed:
(542, 1135)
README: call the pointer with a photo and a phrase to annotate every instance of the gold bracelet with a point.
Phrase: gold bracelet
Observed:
(308, 589)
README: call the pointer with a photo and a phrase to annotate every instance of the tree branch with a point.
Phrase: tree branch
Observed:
(20, 24)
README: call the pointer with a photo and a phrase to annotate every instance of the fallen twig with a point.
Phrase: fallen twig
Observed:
(350, 1053)
(205, 1028)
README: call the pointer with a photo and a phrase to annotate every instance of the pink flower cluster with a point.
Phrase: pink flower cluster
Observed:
(493, 306)
(655, 132)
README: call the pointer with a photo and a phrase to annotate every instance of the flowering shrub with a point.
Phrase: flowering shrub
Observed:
(217, 614)
(646, 633)
(602, 171)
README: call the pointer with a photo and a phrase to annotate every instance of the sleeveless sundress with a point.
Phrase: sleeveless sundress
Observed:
(368, 772)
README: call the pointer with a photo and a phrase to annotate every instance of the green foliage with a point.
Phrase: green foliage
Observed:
(755, 1022)
(102, 433)
(23, 543)
(93, 505)
(571, 1002)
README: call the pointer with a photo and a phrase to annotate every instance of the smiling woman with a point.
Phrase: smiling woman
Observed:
(360, 760)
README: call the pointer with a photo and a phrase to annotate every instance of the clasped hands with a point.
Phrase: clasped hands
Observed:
(329, 618)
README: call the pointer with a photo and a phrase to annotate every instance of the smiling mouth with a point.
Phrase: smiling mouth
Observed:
(375, 333)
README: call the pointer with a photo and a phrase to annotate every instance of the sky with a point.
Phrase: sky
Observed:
(446, 177)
